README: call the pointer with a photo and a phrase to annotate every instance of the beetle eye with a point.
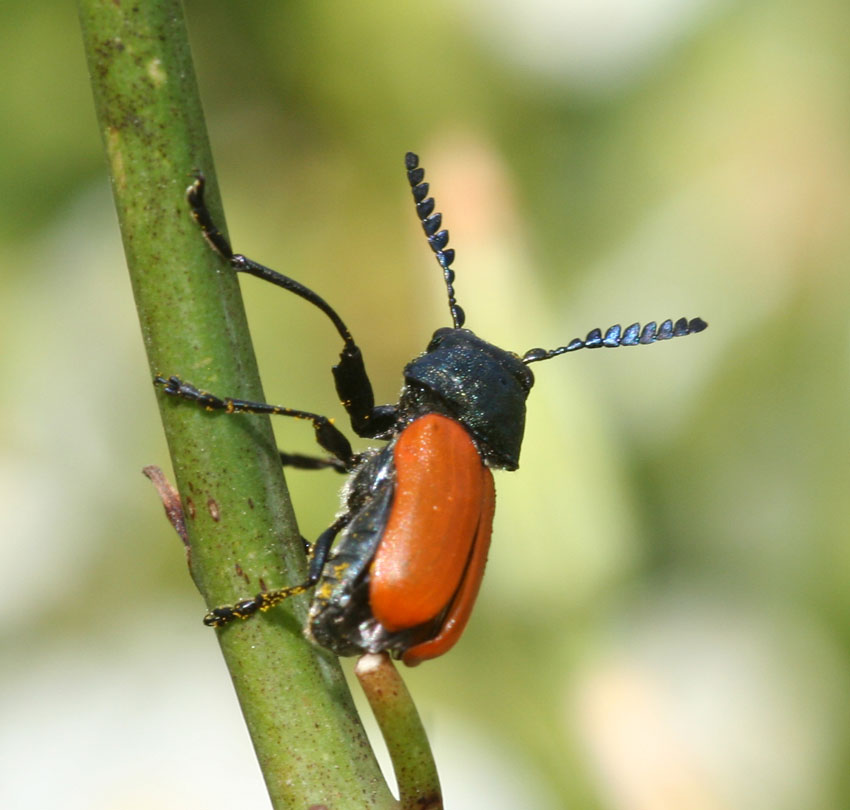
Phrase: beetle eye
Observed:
(437, 337)
(525, 378)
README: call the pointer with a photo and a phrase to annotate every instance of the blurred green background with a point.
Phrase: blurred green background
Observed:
(664, 623)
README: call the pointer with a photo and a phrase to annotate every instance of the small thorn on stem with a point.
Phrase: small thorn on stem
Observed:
(170, 498)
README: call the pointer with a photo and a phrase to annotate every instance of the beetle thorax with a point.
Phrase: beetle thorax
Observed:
(476, 383)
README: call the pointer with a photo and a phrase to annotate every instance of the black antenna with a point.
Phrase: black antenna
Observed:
(615, 336)
(437, 239)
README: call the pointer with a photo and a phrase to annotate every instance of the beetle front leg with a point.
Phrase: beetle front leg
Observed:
(266, 600)
(352, 382)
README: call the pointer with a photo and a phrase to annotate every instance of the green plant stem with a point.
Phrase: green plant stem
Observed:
(241, 530)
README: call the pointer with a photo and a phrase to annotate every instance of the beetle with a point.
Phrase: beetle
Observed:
(400, 567)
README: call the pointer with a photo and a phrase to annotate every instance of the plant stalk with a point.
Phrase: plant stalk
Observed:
(241, 529)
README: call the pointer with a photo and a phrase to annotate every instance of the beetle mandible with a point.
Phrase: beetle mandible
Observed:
(399, 569)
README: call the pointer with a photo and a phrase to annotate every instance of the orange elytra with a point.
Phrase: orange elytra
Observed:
(433, 525)
(456, 617)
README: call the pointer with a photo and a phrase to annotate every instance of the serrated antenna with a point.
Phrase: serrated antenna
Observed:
(437, 238)
(616, 336)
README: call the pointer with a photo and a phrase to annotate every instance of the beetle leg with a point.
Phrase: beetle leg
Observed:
(242, 264)
(268, 599)
(355, 392)
(352, 381)
(301, 462)
(328, 435)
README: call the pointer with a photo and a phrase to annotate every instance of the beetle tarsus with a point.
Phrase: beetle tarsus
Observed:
(244, 609)
(215, 238)
(220, 616)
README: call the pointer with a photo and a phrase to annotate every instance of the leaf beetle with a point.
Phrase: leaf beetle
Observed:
(400, 567)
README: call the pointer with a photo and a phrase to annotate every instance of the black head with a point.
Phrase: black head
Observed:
(479, 384)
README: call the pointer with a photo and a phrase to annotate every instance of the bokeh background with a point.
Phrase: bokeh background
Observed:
(664, 623)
